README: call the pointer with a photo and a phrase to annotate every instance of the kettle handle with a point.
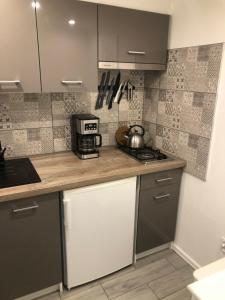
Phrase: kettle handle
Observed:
(142, 128)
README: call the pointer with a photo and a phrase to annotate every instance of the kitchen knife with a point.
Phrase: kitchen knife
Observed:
(101, 90)
(122, 91)
(110, 91)
(129, 88)
(132, 92)
(118, 93)
(115, 89)
(105, 88)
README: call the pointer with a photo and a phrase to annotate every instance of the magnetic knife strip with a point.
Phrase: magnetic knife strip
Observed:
(113, 90)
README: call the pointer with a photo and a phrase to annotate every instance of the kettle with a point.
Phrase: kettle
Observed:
(135, 140)
(2, 152)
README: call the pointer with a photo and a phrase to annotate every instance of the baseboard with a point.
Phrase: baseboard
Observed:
(152, 251)
(42, 293)
(185, 256)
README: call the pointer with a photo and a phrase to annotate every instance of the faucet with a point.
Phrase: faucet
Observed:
(2, 153)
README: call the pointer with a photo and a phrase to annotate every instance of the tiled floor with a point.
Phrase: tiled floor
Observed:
(163, 275)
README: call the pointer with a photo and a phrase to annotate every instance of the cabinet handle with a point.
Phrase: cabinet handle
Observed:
(17, 210)
(67, 217)
(161, 196)
(71, 82)
(136, 52)
(163, 179)
(9, 81)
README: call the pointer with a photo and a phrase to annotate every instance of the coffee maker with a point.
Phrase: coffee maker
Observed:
(86, 140)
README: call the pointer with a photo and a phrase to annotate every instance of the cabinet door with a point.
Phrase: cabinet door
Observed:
(157, 217)
(68, 52)
(99, 230)
(127, 35)
(30, 252)
(19, 49)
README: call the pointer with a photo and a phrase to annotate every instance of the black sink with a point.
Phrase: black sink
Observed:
(14, 172)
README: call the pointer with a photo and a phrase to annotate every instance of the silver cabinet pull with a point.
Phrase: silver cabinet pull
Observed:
(71, 82)
(136, 52)
(164, 179)
(17, 210)
(9, 81)
(161, 196)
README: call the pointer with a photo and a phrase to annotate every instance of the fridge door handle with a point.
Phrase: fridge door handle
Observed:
(67, 216)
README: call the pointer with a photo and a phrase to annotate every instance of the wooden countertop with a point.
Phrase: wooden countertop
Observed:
(64, 171)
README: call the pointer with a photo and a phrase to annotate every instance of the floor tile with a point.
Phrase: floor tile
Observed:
(92, 293)
(137, 278)
(176, 260)
(180, 295)
(153, 257)
(79, 289)
(172, 283)
(141, 293)
(116, 274)
(54, 296)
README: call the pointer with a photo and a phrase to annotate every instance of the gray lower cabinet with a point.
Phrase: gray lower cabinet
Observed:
(67, 34)
(19, 48)
(133, 36)
(157, 213)
(30, 245)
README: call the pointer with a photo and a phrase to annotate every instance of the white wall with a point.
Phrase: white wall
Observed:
(197, 22)
(160, 6)
(201, 218)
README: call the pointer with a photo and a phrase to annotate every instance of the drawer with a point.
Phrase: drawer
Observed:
(160, 179)
(157, 217)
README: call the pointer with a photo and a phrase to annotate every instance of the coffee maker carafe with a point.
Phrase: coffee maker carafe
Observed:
(86, 140)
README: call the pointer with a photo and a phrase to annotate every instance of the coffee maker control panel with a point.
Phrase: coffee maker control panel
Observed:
(91, 126)
(87, 126)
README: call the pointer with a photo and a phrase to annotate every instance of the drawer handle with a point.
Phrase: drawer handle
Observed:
(17, 210)
(136, 52)
(9, 81)
(78, 82)
(161, 196)
(164, 179)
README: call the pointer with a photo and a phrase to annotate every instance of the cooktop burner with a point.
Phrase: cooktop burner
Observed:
(16, 172)
(146, 154)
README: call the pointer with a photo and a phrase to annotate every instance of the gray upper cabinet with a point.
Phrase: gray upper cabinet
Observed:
(19, 48)
(67, 32)
(132, 36)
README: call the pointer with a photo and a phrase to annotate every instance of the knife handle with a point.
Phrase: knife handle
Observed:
(110, 103)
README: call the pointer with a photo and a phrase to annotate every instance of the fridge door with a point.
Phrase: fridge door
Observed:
(99, 230)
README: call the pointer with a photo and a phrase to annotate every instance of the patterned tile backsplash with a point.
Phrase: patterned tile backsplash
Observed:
(176, 108)
(181, 103)
(40, 123)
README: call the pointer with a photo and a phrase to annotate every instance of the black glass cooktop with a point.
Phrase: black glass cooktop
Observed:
(16, 172)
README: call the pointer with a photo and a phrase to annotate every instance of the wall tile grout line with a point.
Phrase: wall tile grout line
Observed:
(52, 125)
(183, 131)
(177, 90)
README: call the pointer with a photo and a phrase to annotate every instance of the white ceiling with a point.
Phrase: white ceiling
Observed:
(160, 6)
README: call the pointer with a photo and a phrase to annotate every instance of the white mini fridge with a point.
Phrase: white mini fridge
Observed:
(98, 226)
